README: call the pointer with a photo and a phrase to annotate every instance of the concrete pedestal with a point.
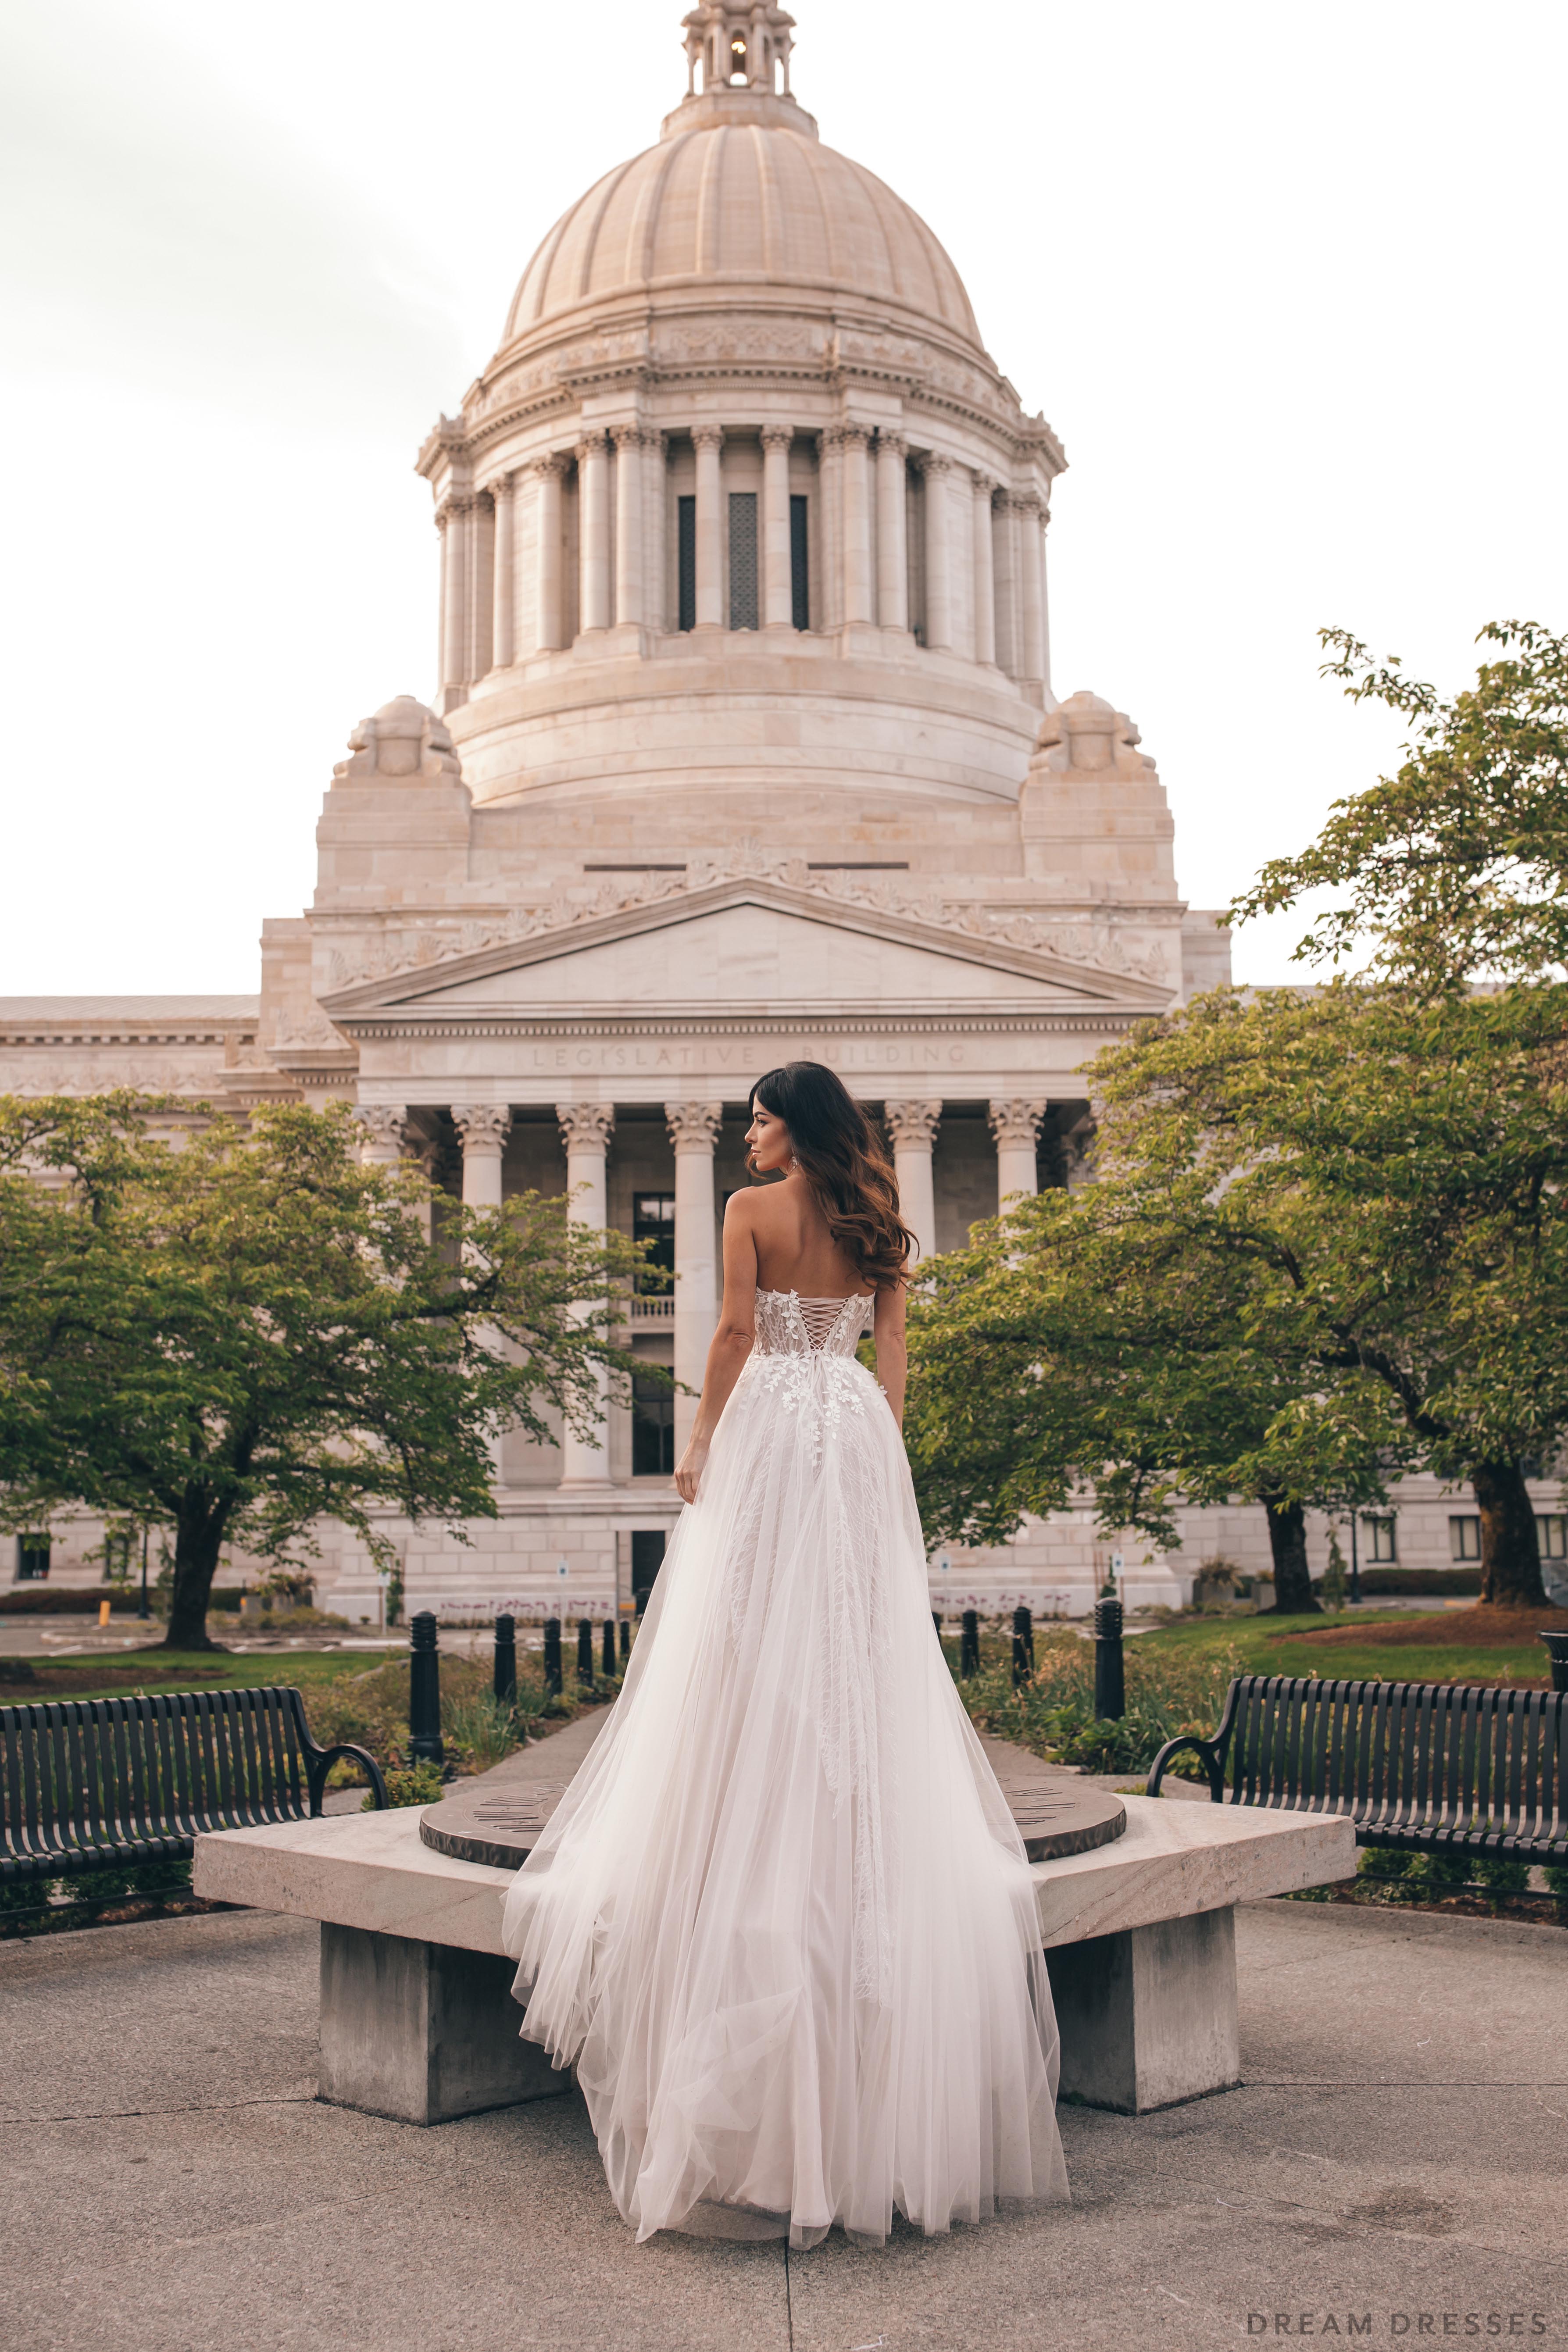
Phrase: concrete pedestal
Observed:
(423, 2033)
(1149, 2016)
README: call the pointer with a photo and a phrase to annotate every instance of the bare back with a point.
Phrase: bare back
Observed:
(794, 1250)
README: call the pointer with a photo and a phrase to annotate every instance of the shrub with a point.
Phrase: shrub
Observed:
(1053, 1712)
(413, 1784)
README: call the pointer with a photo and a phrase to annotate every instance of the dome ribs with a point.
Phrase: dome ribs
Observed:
(610, 184)
(709, 204)
(642, 231)
(874, 190)
(770, 225)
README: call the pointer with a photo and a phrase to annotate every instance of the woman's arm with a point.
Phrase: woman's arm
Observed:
(892, 1355)
(732, 1342)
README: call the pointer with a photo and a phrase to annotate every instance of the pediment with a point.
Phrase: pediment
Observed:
(746, 942)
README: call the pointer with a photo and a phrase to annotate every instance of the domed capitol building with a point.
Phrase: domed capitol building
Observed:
(745, 747)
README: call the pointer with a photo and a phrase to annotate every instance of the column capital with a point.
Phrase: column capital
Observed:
(847, 436)
(586, 1127)
(484, 1127)
(777, 436)
(456, 507)
(385, 1126)
(1016, 1122)
(892, 444)
(502, 486)
(627, 436)
(707, 437)
(932, 463)
(550, 467)
(694, 1127)
(595, 443)
(985, 485)
(912, 1125)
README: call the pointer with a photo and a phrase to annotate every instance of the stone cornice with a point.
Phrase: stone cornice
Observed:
(923, 1020)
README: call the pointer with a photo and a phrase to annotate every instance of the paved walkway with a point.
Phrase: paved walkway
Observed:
(1396, 2149)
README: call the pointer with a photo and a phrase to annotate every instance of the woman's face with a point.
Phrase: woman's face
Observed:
(768, 1146)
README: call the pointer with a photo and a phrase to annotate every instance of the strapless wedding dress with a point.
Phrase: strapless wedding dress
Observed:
(781, 1920)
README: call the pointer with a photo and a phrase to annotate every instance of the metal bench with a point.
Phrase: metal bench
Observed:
(99, 1784)
(1423, 1768)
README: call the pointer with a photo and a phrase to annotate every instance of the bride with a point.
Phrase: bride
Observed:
(782, 1921)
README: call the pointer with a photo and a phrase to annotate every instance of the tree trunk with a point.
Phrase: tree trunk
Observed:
(197, 1542)
(1510, 1550)
(1293, 1595)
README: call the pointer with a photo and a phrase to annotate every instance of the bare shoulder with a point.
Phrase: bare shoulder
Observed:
(741, 1210)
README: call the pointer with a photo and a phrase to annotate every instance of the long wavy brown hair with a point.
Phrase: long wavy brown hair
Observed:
(845, 1166)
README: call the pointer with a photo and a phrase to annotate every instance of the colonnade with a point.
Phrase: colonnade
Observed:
(505, 573)
(587, 1131)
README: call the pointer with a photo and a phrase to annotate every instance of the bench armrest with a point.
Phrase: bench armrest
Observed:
(1211, 1750)
(321, 1762)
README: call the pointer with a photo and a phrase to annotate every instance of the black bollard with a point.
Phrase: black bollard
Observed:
(625, 1639)
(969, 1643)
(609, 1645)
(553, 1655)
(424, 1691)
(506, 1660)
(1110, 1682)
(1022, 1646)
(1557, 1652)
(585, 1650)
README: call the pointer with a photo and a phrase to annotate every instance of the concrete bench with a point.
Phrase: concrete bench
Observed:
(418, 2022)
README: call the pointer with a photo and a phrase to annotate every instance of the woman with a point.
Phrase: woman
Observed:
(781, 1920)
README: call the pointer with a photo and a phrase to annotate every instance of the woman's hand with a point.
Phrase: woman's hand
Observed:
(689, 1468)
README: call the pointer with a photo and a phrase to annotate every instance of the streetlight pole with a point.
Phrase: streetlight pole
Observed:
(1355, 1561)
(145, 1612)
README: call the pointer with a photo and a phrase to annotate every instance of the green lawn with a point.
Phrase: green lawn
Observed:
(1275, 1645)
(133, 1672)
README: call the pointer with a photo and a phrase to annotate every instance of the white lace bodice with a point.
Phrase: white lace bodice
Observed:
(791, 1325)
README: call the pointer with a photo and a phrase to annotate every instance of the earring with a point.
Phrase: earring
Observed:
(793, 1165)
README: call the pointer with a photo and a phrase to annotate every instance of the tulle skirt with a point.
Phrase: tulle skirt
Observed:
(782, 1921)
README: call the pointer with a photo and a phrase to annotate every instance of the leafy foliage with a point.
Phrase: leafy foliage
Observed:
(1052, 1712)
(1457, 864)
(235, 1334)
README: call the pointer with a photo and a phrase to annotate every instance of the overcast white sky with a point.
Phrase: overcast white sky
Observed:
(1286, 278)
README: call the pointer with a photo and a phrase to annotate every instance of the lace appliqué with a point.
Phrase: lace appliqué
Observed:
(804, 1359)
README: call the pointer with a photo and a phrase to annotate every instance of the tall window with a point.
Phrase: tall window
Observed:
(32, 1558)
(1464, 1537)
(799, 566)
(1552, 1535)
(653, 1220)
(653, 1429)
(117, 1556)
(686, 562)
(743, 612)
(1380, 1539)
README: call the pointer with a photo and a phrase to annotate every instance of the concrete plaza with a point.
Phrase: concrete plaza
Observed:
(1395, 2148)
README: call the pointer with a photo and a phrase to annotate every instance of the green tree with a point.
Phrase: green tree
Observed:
(237, 1335)
(1455, 866)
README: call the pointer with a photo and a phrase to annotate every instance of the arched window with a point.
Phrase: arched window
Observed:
(737, 58)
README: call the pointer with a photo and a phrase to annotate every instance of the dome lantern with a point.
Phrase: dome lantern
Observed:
(738, 47)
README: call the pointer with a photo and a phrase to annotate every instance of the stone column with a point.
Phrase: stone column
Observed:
(1015, 1124)
(859, 603)
(1008, 655)
(484, 1128)
(481, 588)
(939, 556)
(628, 525)
(593, 524)
(892, 532)
(1044, 525)
(778, 601)
(385, 1127)
(585, 1130)
(693, 1131)
(1031, 588)
(985, 572)
(830, 529)
(503, 648)
(455, 518)
(913, 1126)
(548, 552)
(656, 516)
(710, 440)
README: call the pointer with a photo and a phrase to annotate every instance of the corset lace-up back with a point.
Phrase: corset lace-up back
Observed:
(791, 1325)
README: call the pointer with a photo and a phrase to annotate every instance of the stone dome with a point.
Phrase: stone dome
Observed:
(723, 203)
